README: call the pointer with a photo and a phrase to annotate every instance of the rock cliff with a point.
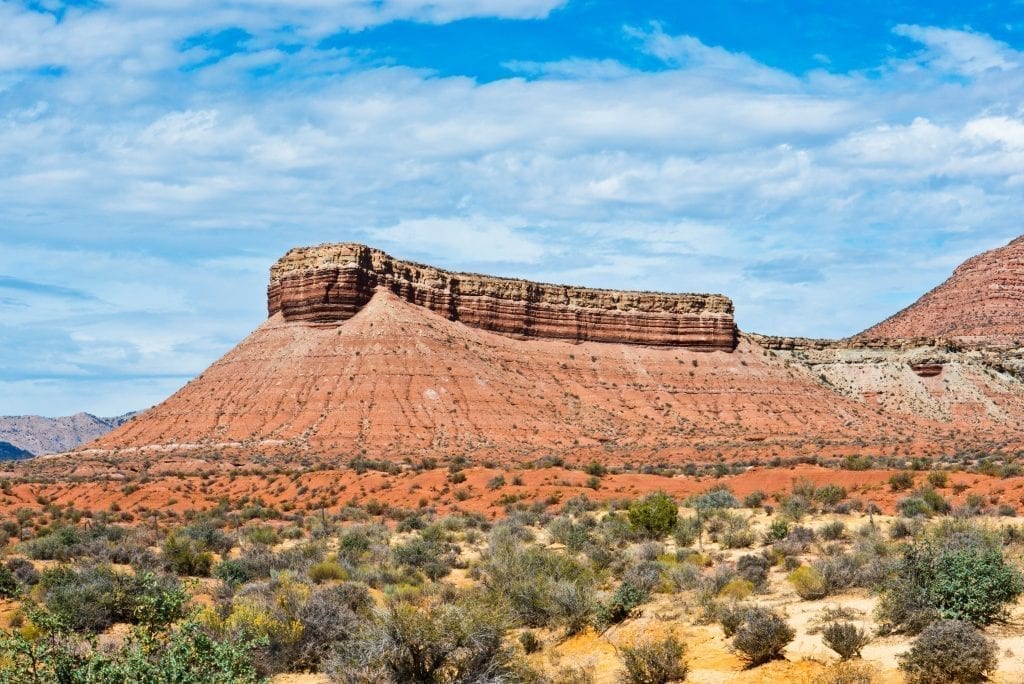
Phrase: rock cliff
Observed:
(331, 283)
(983, 302)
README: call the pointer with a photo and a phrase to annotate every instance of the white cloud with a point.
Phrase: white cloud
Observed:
(166, 194)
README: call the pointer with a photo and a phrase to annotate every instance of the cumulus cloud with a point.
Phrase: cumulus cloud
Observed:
(161, 176)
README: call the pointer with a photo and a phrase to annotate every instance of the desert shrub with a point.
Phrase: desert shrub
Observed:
(938, 478)
(233, 573)
(808, 583)
(540, 586)
(949, 651)
(295, 625)
(832, 531)
(849, 672)
(963, 577)
(730, 615)
(564, 531)
(754, 499)
(427, 552)
(715, 499)
(92, 599)
(183, 555)
(63, 543)
(913, 506)
(655, 515)
(645, 575)
(327, 570)
(845, 638)
(901, 481)
(687, 531)
(530, 643)
(841, 571)
(737, 535)
(900, 529)
(456, 642)
(621, 604)
(23, 571)
(777, 531)
(261, 534)
(795, 507)
(8, 583)
(737, 590)
(753, 568)
(653, 662)
(761, 636)
(684, 577)
(184, 653)
(829, 495)
(210, 535)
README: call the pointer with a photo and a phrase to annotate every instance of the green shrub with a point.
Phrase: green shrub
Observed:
(963, 577)
(830, 494)
(655, 515)
(901, 481)
(653, 662)
(232, 572)
(8, 584)
(715, 499)
(777, 531)
(327, 570)
(92, 599)
(687, 531)
(754, 499)
(184, 653)
(626, 598)
(186, 556)
(530, 643)
(808, 583)
(938, 479)
(845, 638)
(949, 651)
(832, 531)
(753, 568)
(457, 642)
(541, 587)
(761, 636)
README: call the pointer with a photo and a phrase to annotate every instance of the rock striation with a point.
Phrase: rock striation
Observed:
(982, 302)
(329, 284)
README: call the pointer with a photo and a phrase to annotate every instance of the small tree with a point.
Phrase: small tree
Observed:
(655, 515)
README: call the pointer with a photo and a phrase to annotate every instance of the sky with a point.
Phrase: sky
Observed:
(823, 164)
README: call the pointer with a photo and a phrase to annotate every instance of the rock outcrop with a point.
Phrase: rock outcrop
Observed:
(982, 302)
(329, 284)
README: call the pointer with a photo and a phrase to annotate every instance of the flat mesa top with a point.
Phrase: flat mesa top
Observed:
(328, 256)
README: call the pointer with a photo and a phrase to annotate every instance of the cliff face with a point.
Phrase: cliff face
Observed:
(983, 301)
(331, 283)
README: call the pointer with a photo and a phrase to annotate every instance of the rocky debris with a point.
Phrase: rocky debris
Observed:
(982, 302)
(329, 284)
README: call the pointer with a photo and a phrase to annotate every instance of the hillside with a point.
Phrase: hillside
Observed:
(982, 302)
(374, 357)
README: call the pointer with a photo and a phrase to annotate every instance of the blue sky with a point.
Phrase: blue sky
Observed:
(823, 164)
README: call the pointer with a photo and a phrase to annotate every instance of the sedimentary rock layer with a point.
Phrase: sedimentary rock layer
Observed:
(983, 301)
(331, 283)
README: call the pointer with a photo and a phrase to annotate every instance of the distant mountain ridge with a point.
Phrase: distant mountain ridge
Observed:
(9, 452)
(40, 435)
